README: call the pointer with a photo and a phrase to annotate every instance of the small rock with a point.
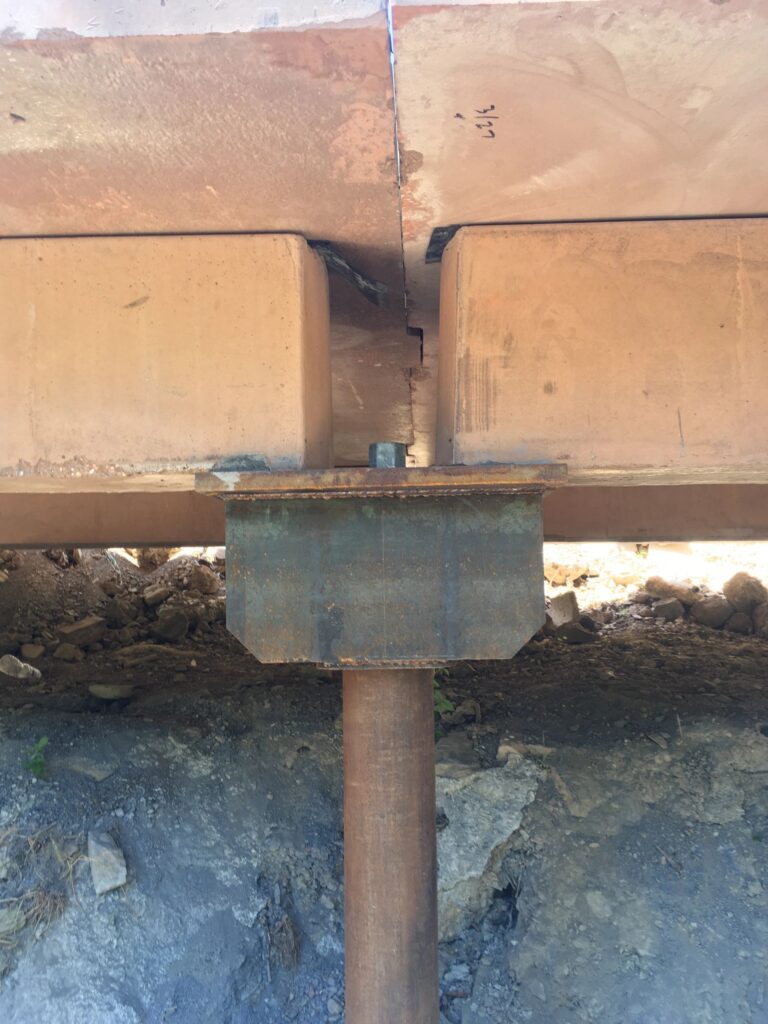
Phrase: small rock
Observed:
(563, 609)
(588, 622)
(156, 594)
(111, 691)
(171, 624)
(741, 622)
(658, 587)
(68, 652)
(333, 1006)
(760, 620)
(669, 608)
(3, 576)
(745, 592)
(468, 711)
(712, 611)
(559, 574)
(63, 557)
(599, 905)
(108, 870)
(32, 651)
(626, 579)
(83, 632)
(11, 666)
(641, 611)
(574, 633)
(151, 558)
(204, 580)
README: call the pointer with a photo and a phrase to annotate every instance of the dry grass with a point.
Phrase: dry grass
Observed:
(45, 863)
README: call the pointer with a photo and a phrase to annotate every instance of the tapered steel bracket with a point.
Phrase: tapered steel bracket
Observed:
(384, 567)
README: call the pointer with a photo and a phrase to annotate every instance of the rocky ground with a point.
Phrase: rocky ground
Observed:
(170, 818)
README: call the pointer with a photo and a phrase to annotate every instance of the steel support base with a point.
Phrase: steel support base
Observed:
(390, 863)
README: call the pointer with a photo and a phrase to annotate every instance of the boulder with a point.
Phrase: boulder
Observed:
(740, 622)
(712, 611)
(669, 608)
(83, 632)
(745, 592)
(659, 588)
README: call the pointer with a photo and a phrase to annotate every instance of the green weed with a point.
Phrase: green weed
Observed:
(35, 760)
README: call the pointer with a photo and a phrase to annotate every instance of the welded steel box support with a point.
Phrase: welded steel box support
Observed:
(386, 572)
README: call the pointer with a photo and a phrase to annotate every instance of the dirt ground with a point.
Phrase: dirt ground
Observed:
(602, 815)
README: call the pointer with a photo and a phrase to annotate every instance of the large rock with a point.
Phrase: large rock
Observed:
(68, 652)
(659, 588)
(83, 632)
(712, 611)
(480, 812)
(122, 609)
(31, 652)
(563, 610)
(739, 622)
(760, 620)
(11, 666)
(204, 580)
(171, 625)
(745, 592)
(669, 608)
(108, 870)
(575, 633)
(155, 594)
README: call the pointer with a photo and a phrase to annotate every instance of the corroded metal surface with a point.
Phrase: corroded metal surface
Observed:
(227, 131)
(362, 482)
(390, 893)
(642, 348)
(385, 582)
(576, 110)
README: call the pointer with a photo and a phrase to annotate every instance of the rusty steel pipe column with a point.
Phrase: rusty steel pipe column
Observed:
(390, 861)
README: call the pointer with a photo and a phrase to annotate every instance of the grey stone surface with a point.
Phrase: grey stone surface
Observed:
(482, 810)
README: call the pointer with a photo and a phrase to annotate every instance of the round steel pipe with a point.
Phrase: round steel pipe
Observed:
(390, 861)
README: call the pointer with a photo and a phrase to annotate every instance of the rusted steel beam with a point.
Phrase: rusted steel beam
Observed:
(363, 482)
(390, 858)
